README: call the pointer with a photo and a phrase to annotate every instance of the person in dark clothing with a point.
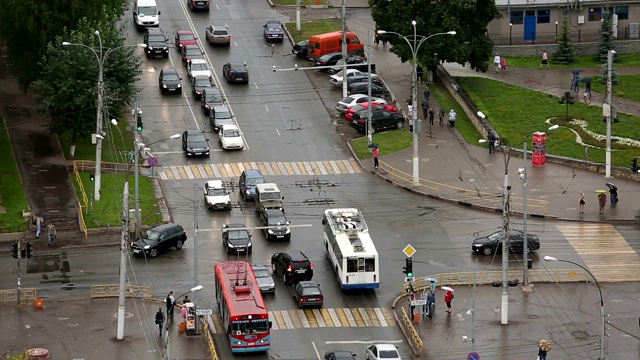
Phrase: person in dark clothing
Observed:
(432, 115)
(426, 94)
(613, 194)
(425, 107)
(170, 303)
(492, 143)
(160, 320)
(441, 116)
(431, 301)
(419, 73)
(543, 349)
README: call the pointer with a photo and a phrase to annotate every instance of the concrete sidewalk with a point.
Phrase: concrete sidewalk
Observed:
(450, 169)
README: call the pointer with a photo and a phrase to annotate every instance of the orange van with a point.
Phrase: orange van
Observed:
(330, 42)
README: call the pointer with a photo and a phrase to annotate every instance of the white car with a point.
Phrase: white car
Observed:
(216, 195)
(230, 137)
(198, 67)
(336, 79)
(356, 99)
(382, 351)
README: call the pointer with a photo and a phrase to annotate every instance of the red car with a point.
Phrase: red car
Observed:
(185, 37)
(363, 106)
(190, 52)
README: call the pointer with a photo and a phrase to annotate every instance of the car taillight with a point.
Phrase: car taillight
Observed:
(228, 37)
(311, 266)
(290, 268)
(231, 73)
(319, 298)
(302, 299)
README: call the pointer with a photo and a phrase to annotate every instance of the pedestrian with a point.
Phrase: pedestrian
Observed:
(496, 62)
(441, 116)
(384, 42)
(602, 201)
(425, 107)
(448, 297)
(38, 222)
(426, 94)
(170, 303)
(503, 64)
(492, 142)
(432, 287)
(545, 59)
(425, 296)
(160, 320)
(431, 303)
(410, 114)
(432, 115)
(376, 39)
(613, 193)
(183, 312)
(376, 154)
(581, 202)
(452, 118)
(186, 300)
(51, 234)
(412, 297)
(587, 91)
(543, 348)
(419, 74)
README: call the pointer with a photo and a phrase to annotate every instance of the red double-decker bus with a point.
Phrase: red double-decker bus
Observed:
(242, 310)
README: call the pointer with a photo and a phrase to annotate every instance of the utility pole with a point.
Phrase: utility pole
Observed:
(369, 125)
(608, 109)
(99, 114)
(123, 259)
(525, 241)
(195, 248)
(505, 241)
(298, 15)
(344, 51)
(136, 132)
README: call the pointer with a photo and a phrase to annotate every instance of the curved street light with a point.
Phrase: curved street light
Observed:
(418, 40)
(602, 315)
(101, 57)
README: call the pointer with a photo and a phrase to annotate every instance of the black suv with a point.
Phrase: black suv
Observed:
(159, 239)
(293, 266)
(365, 79)
(329, 59)
(236, 72)
(380, 120)
(276, 226)
(157, 43)
(363, 88)
(491, 244)
(236, 238)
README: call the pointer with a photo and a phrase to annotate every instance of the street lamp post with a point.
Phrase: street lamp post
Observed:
(418, 40)
(556, 32)
(101, 57)
(603, 328)
(608, 111)
(510, 32)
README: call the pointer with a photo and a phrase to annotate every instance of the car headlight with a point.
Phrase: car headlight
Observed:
(477, 245)
(269, 231)
(165, 48)
(147, 246)
(164, 86)
(249, 244)
(248, 192)
(180, 45)
(179, 85)
(229, 245)
(189, 148)
(150, 47)
(288, 231)
(206, 149)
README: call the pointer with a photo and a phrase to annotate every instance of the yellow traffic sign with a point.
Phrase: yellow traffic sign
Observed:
(409, 250)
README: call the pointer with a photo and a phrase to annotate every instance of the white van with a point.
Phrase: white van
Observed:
(145, 13)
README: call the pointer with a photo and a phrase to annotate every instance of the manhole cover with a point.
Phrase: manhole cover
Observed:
(533, 317)
(580, 334)
(126, 315)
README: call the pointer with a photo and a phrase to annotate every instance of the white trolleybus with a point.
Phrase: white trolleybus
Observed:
(349, 246)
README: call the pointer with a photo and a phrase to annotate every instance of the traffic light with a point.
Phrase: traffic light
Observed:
(634, 165)
(14, 250)
(139, 123)
(408, 267)
(92, 176)
(29, 249)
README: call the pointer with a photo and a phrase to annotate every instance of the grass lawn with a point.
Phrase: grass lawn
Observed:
(85, 150)
(627, 87)
(392, 141)
(517, 113)
(302, 2)
(109, 209)
(583, 61)
(313, 27)
(12, 197)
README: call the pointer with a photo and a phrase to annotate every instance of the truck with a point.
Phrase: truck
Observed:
(268, 197)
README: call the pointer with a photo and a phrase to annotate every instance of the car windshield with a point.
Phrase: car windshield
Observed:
(187, 37)
(171, 77)
(260, 326)
(147, 10)
(152, 235)
(213, 98)
(193, 51)
(254, 181)
(277, 220)
(238, 234)
(203, 82)
(309, 290)
(271, 196)
(231, 133)
(217, 192)
(347, 100)
(388, 354)
(223, 115)
(220, 32)
(157, 38)
(495, 236)
(200, 66)
(197, 137)
(261, 273)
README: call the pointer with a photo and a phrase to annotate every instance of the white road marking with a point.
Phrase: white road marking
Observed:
(303, 318)
(266, 107)
(184, 95)
(256, 85)
(365, 316)
(334, 317)
(380, 316)
(319, 318)
(316, 350)
(364, 342)
(274, 323)
(177, 152)
(278, 132)
(287, 319)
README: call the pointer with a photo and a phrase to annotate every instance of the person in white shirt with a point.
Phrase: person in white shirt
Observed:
(496, 62)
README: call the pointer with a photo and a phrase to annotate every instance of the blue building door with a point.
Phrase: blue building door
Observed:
(530, 27)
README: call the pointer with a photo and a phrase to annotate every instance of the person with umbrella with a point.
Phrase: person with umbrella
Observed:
(587, 88)
(448, 297)
(602, 200)
(613, 193)
(543, 348)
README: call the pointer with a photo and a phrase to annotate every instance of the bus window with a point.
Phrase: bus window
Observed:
(352, 265)
(360, 264)
(369, 265)
(260, 326)
(240, 326)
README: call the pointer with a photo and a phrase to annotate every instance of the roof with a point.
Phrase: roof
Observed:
(241, 290)
(198, 61)
(169, 71)
(273, 212)
(296, 255)
(191, 132)
(163, 226)
(267, 187)
(252, 173)
(329, 34)
(505, 3)
(215, 184)
(386, 347)
(235, 226)
(185, 32)
(230, 126)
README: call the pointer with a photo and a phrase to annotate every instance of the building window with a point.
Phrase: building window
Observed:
(544, 16)
(517, 17)
(622, 12)
(595, 14)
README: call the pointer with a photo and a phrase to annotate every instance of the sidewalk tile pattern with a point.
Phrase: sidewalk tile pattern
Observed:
(230, 170)
(604, 251)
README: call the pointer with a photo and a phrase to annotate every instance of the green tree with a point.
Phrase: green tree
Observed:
(468, 18)
(606, 43)
(67, 88)
(565, 53)
(27, 26)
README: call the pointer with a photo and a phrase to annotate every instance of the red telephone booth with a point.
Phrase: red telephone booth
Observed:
(539, 153)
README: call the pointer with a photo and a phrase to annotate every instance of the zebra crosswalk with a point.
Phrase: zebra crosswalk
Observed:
(323, 318)
(605, 252)
(233, 170)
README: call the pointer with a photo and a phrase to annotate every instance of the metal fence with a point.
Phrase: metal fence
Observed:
(113, 290)
(516, 37)
(412, 335)
(8, 296)
(210, 344)
(14, 229)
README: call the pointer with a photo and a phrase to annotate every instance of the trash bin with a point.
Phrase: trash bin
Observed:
(38, 303)
(416, 318)
(529, 264)
(182, 327)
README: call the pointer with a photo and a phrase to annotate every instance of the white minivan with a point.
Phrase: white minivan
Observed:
(145, 13)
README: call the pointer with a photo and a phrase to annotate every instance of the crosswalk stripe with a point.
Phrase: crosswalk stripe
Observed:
(348, 166)
(343, 169)
(334, 318)
(308, 168)
(365, 317)
(296, 169)
(605, 252)
(208, 170)
(323, 170)
(223, 171)
(216, 171)
(229, 170)
(358, 318)
(327, 318)
(282, 168)
(312, 319)
(235, 169)
(195, 171)
(287, 320)
(241, 167)
(388, 316)
(319, 319)
(280, 320)
(300, 167)
(380, 316)
(163, 175)
(289, 168)
(373, 316)
(276, 170)
(296, 320)
(274, 324)
(330, 168)
(350, 318)
(303, 319)
(355, 166)
(182, 172)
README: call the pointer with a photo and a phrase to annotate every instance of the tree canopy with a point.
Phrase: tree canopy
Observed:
(468, 19)
(67, 87)
(27, 27)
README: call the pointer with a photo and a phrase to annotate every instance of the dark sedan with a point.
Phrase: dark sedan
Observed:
(194, 143)
(351, 60)
(491, 244)
(380, 120)
(273, 31)
(211, 97)
(308, 293)
(236, 72)
(190, 52)
(329, 59)
(301, 49)
(199, 84)
(169, 81)
(236, 238)
(275, 225)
